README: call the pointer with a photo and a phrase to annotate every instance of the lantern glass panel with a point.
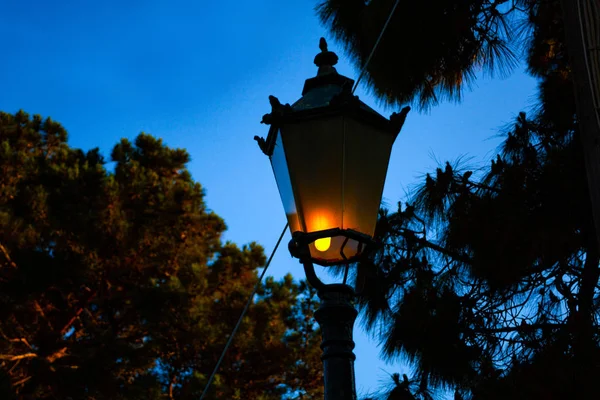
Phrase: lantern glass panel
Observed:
(367, 154)
(314, 152)
(330, 172)
(284, 184)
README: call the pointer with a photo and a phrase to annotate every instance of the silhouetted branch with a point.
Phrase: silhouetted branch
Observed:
(519, 328)
(456, 256)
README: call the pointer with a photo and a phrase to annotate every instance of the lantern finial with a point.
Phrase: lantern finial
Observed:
(323, 45)
(326, 59)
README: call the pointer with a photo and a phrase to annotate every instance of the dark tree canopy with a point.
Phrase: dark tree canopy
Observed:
(431, 49)
(485, 280)
(116, 285)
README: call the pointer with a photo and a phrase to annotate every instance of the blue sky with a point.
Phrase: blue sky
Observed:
(198, 74)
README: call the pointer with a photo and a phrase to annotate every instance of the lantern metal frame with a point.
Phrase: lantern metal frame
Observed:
(299, 249)
(344, 103)
(335, 99)
(298, 246)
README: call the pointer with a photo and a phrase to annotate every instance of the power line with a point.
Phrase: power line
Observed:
(364, 68)
(239, 322)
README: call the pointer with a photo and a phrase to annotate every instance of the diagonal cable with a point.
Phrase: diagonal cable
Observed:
(364, 68)
(239, 322)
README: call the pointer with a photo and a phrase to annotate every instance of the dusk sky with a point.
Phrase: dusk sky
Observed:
(198, 74)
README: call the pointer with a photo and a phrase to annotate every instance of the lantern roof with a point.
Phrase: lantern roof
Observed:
(328, 93)
(329, 88)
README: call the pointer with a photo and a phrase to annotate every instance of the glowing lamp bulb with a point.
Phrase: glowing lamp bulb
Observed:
(323, 244)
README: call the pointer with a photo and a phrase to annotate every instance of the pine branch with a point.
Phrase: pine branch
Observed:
(456, 256)
(22, 381)
(56, 355)
(17, 340)
(519, 328)
(17, 357)
(65, 328)
(7, 256)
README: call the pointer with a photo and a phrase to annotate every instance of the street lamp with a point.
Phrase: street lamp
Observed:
(329, 152)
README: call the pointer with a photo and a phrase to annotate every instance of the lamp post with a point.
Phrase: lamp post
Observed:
(330, 152)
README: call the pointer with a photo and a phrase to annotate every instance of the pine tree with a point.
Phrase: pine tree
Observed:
(486, 281)
(116, 284)
(431, 50)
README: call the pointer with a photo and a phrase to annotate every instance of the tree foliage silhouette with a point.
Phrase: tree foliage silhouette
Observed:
(431, 50)
(116, 285)
(486, 280)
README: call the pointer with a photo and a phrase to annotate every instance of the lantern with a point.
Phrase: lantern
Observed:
(329, 152)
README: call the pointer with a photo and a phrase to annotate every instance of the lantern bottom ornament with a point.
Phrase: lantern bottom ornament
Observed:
(349, 245)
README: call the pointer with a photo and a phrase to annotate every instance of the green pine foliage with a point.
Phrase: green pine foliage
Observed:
(116, 284)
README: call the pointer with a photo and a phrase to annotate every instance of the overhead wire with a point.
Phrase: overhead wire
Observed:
(362, 72)
(244, 311)
(364, 68)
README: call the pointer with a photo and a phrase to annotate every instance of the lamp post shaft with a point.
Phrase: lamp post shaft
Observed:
(336, 316)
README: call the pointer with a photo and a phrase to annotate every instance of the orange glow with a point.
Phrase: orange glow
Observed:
(320, 220)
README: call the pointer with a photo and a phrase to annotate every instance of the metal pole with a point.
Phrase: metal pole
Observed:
(336, 316)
